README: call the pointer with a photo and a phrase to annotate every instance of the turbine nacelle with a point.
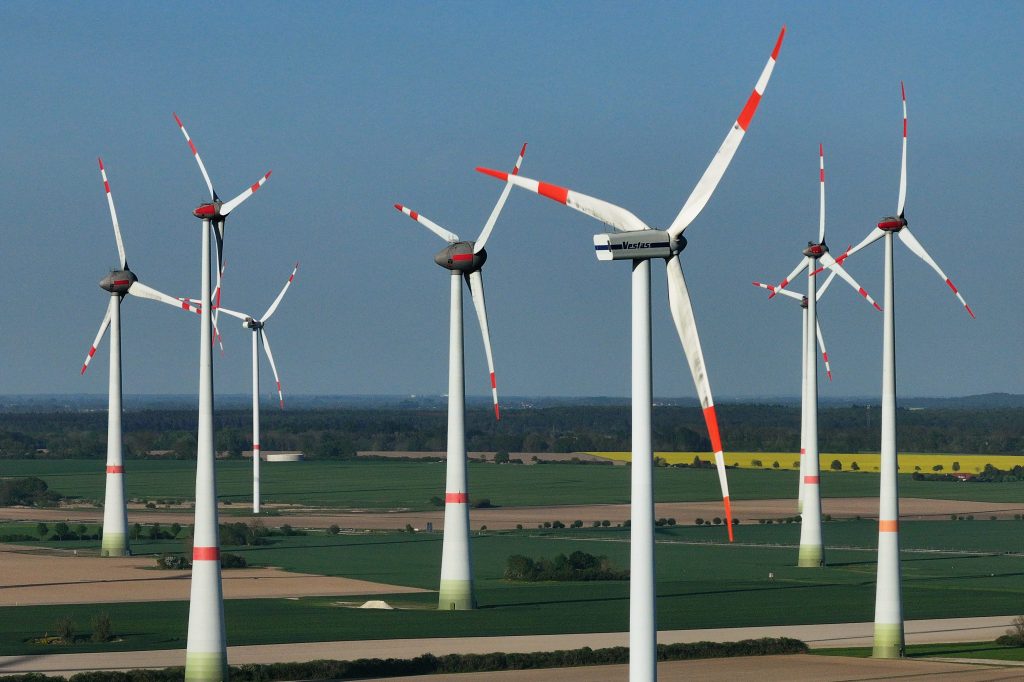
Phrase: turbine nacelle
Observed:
(892, 223)
(459, 257)
(640, 245)
(209, 210)
(252, 324)
(816, 251)
(119, 281)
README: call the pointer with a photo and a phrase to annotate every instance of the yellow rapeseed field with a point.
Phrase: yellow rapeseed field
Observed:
(909, 462)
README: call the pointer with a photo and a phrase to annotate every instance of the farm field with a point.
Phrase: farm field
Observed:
(411, 485)
(866, 462)
(951, 569)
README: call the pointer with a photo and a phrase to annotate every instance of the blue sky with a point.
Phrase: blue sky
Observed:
(358, 106)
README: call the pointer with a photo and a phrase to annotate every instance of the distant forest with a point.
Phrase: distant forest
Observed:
(340, 433)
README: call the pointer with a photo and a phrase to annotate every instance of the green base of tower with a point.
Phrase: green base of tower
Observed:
(114, 544)
(888, 641)
(206, 667)
(811, 556)
(456, 595)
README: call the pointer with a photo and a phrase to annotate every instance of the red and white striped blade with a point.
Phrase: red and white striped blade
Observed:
(903, 162)
(772, 291)
(476, 287)
(832, 264)
(908, 238)
(273, 367)
(613, 215)
(872, 237)
(686, 326)
(99, 336)
(486, 232)
(230, 206)
(195, 153)
(824, 352)
(786, 281)
(144, 291)
(700, 195)
(277, 301)
(113, 217)
(444, 234)
(217, 338)
(821, 203)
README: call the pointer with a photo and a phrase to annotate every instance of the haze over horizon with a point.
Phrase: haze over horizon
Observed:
(356, 107)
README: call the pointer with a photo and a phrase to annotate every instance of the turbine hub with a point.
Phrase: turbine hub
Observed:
(459, 257)
(252, 324)
(892, 223)
(209, 210)
(816, 251)
(803, 302)
(118, 281)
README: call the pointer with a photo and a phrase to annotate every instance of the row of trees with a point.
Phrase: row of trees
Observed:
(337, 433)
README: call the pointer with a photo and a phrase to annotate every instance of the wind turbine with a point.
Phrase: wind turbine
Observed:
(812, 552)
(206, 650)
(637, 242)
(888, 639)
(119, 283)
(464, 259)
(259, 334)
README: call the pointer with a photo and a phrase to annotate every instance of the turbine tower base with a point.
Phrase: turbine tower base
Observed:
(205, 667)
(456, 595)
(888, 641)
(810, 556)
(114, 544)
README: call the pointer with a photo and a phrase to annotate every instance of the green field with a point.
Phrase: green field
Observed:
(950, 569)
(978, 650)
(411, 484)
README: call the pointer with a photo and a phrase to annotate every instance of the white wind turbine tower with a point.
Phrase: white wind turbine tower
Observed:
(118, 283)
(464, 259)
(259, 334)
(637, 242)
(206, 650)
(888, 640)
(812, 552)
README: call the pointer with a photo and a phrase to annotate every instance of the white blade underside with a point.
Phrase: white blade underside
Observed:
(195, 153)
(273, 367)
(908, 238)
(444, 234)
(829, 262)
(476, 288)
(700, 195)
(143, 291)
(610, 214)
(96, 342)
(821, 202)
(277, 301)
(824, 352)
(686, 327)
(113, 217)
(230, 206)
(903, 162)
(485, 234)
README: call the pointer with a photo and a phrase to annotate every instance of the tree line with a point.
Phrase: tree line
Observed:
(340, 433)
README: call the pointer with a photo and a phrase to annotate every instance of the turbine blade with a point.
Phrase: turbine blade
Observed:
(273, 367)
(832, 264)
(908, 238)
(195, 153)
(713, 175)
(785, 292)
(230, 206)
(872, 237)
(99, 336)
(475, 281)
(824, 352)
(686, 326)
(113, 217)
(232, 313)
(824, 287)
(786, 281)
(217, 338)
(144, 291)
(486, 232)
(613, 215)
(444, 234)
(821, 203)
(903, 162)
(273, 306)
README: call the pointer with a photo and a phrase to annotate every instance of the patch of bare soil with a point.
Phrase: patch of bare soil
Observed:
(40, 576)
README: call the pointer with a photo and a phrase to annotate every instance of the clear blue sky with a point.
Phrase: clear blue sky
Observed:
(356, 106)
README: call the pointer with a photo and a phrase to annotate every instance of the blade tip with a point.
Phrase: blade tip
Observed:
(778, 43)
